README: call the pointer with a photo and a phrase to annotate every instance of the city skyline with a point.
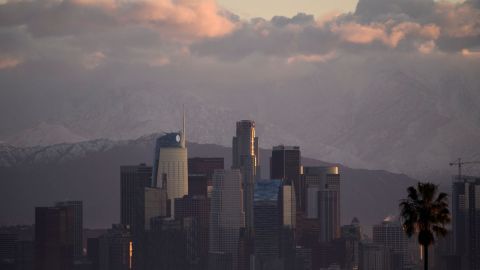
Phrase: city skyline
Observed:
(170, 231)
(251, 135)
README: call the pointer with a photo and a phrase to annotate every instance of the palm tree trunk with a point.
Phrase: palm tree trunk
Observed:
(425, 257)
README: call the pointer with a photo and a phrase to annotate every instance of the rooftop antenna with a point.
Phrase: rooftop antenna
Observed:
(183, 128)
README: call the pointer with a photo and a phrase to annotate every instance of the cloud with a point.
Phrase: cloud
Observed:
(9, 62)
(458, 20)
(198, 18)
(470, 54)
(175, 19)
(312, 58)
(427, 47)
(93, 60)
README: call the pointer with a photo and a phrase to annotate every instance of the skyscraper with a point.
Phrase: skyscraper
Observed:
(288, 204)
(115, 249)
(133, 180)
(390, 234)
(205, 166)
(267, 222)
(226, 218)
(200, 173)
(351, 235)
(196, 208)
(245, 158)
(322, 199)
(374, 256)
(170, 167)
(54, 238)
(466, 221)
(77, 208)
(285, 164)
(8, 246)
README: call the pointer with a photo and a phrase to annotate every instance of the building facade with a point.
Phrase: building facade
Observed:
(245, 157)
(54, 236)
(322, 200)
(285, 164)
(170, 170)
(133, 180)
(390, 234)
(77, 208)
(226, 218)
(466, 221)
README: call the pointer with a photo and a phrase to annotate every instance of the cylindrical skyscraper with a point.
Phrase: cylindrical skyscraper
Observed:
(170, 170)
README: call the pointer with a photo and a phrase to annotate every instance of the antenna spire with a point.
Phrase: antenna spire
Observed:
(183, 129)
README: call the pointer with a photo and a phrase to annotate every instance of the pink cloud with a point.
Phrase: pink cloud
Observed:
(427, 47)
(9, 62)
(470, 54)
(200, 18)
(183, 19)
(358, 33)
(388, 33)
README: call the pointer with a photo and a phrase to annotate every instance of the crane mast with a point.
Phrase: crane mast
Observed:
(459, 163)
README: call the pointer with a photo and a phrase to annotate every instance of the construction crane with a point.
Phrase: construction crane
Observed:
(460, 163)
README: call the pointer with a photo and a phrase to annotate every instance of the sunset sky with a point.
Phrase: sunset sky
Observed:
(270, 8)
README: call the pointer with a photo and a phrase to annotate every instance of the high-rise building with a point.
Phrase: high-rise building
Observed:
(8, 246)
(168, 242)
(245, 158)
(267, 223)
(285, 164)
(54, 234)
(390, 234)
(322, 199)
(139, 203)
(200, 173)
(155, 204)
(133, 180)
(115, 249)
(303, 258)
(93, 246)
(351, 235)
(77, 208)
(16, 247)
(170, 167)
(466, 221)
(226, 218)
(287, 199)
(197, 185)
(205, 166)
(374, 256)
(196, 208)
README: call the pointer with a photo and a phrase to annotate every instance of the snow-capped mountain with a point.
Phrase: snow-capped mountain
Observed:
(89, 171)
(404, 119)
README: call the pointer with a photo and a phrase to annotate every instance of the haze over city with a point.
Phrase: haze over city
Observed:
(367, 97)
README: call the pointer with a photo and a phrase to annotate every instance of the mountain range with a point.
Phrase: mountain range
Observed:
(90, 171)
(402, 117)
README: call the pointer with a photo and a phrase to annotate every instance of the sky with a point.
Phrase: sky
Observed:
(380, 74)
(270, 8)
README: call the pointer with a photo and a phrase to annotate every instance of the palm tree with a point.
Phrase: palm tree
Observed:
(425, 214)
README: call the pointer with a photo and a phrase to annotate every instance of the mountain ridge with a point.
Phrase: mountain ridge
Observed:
(89, 171)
